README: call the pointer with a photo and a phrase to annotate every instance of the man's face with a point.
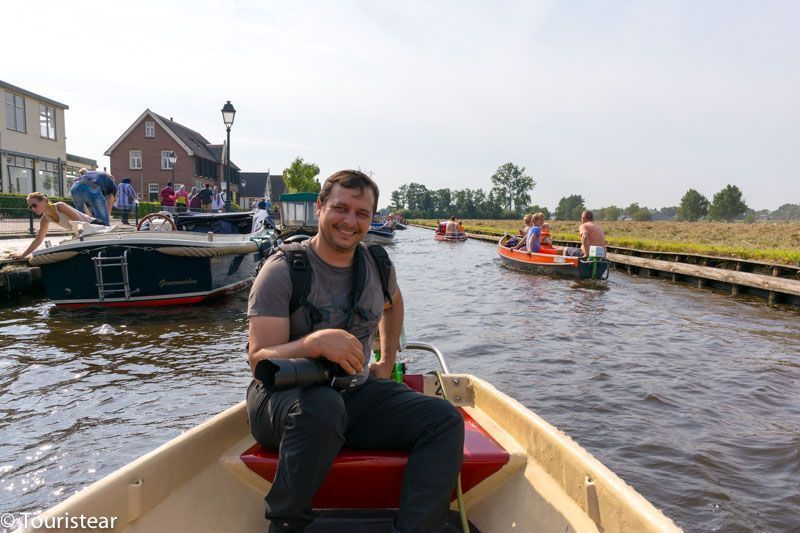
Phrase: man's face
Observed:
(345, 217)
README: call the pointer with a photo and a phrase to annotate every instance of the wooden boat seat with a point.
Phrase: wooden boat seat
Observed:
(379, 473)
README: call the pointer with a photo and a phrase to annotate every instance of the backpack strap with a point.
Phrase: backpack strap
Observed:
(300, 275)
(384, 268)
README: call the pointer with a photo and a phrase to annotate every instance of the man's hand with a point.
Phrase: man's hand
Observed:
(15, 255)
(381, 369)
(340, 347)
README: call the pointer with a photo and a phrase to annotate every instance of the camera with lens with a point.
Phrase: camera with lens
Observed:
(285, 374)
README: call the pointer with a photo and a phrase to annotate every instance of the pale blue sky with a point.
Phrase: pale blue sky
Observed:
(618, 101)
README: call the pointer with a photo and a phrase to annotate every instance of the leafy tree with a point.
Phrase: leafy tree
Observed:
(693, 206)
(612, 212)
(570, 207)
(398, 198)
(643, 215)
(300, 177)
(511, 187)
(539, 209)
(440, 200)
(727, 204)
(632, 209)
(786, 212)
(669, 213)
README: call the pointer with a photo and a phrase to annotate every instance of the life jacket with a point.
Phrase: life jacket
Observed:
(301, 274)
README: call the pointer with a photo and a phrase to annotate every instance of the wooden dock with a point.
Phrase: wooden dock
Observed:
(773, 282)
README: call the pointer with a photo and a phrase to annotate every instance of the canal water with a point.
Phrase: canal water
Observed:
(689, 395)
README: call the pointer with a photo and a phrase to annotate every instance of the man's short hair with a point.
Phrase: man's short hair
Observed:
(588, 214)
(83, 171)
(169, 184)
(349, 179)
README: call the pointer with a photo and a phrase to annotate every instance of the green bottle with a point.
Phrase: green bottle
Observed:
(398, 372)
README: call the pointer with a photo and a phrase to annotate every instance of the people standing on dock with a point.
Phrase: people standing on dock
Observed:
(167, 195)
(181, 199)
(58, 213)
(194, 200)
(206, 195)
(96, 191)
(217, 203)
(126, 199)
(310, 425)
(591, 235)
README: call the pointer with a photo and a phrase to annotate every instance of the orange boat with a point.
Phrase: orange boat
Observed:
(548, 260)
(442, 235)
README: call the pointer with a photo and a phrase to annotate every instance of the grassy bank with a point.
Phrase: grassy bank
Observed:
(777, 242)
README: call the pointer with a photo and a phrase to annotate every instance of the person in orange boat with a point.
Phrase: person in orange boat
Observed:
(532, 238)
(591, 235)
(452, 227)
(461, 228)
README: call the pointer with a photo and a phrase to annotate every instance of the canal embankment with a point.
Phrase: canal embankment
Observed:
(776, 283)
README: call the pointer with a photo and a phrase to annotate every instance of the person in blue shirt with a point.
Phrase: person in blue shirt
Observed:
(95, 190)
(533, 236)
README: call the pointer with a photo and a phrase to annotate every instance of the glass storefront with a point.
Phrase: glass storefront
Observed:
(19, 175)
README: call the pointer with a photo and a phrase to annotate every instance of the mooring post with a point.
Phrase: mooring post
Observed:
(735, 287)
(776, 271)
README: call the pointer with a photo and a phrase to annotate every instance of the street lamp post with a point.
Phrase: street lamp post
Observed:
(228, 114)
(172, 159)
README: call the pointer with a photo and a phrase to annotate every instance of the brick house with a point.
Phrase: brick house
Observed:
(142, 154)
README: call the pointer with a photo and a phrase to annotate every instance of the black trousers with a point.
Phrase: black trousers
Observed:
(309, 426)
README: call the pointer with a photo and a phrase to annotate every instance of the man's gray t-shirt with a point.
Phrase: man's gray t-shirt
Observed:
(331, 292)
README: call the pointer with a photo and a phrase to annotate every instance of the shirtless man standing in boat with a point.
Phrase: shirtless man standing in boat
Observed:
(310, 425)
(591, 235)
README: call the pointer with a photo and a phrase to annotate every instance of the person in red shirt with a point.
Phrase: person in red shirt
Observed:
(168, 197)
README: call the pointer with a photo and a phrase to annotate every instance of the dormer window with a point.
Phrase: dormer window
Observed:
(150, 129)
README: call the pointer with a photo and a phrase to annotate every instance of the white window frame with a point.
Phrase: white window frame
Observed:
(12, 111)
(135, 159)
(165, 164)
(47, 122)
(150, 129)
(153, 188)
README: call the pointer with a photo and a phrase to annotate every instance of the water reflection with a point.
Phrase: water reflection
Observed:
(689, 395)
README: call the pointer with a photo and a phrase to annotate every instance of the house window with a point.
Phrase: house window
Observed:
(150, 129)
(47, 178)
(15, 112)
(165, 164)
(19, 175)
(152, 191)
(135, 158)
(47, 121)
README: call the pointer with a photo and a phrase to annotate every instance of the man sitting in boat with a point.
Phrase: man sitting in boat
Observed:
(591, 235)
(310, 425)
(451, 229)
(58, 213)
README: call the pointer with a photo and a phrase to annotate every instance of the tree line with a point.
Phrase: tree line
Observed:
(509, 198)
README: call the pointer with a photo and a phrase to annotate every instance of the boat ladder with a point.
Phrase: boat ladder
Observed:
(106, 289)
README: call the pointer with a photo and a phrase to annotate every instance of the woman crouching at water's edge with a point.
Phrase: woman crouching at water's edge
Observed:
(59, 213)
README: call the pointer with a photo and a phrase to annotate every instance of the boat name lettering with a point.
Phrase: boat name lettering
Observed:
(165, 283)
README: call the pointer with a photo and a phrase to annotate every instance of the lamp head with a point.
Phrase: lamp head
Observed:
(228, 114)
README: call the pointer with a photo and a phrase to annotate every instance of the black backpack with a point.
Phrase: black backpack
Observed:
(301, 273)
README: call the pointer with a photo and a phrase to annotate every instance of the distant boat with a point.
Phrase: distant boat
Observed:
(441, 234)
(382, 235)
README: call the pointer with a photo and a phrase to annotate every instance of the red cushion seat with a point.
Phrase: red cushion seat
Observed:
(372, 479)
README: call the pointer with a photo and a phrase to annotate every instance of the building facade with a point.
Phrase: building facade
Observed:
(143, 151)
(257, 186)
